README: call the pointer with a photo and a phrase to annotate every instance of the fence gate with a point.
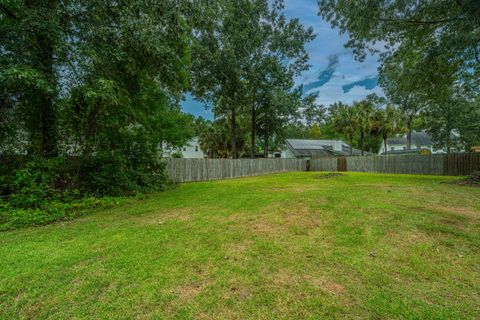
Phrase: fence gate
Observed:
(341, 164)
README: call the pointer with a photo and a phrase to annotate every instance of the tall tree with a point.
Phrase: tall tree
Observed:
(133, 72)
(450, 122)
(32, 48)
(278, 108)
(313, 113)
(388, 122)
(219, 55)
(365, 110)
(410, 107)
(345, 119)
(250, 50)
(101, 89)
(278, 55)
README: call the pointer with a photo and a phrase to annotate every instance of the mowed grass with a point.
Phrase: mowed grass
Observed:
(282, 246)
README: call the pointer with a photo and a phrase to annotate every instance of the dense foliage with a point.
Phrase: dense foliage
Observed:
(88, 90)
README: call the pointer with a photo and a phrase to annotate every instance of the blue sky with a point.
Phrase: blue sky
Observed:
(334, 74)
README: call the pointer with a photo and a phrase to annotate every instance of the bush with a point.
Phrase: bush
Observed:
(44, 190)
(14, 217)
(8, 166)
(35, 184)
(177, 155)
(118, 173)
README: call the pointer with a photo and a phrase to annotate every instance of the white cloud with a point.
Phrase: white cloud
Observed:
(329, 42)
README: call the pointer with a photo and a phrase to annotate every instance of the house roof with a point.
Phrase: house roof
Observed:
(309, 148)
(418, 138)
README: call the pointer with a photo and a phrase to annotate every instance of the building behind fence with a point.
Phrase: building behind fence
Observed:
(184, 170)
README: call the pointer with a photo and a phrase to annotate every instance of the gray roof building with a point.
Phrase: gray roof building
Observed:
(304, 148)
(418, 139)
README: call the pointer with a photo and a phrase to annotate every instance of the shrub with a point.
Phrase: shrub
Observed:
(44, 190)
(14, 217)
(118, 173)
(177, 155)
(33, 185)
(8, 166)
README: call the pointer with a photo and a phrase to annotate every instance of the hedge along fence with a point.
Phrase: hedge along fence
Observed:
(435, 164)
(185, 170)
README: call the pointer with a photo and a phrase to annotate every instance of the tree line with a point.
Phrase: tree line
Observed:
(429, 54)
(365, 125)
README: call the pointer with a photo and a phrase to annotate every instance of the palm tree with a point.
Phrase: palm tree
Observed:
(366, 113)
(345, 120)
(388, 122)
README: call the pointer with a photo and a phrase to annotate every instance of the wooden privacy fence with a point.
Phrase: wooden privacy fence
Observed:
(436, 164)
(184, 170)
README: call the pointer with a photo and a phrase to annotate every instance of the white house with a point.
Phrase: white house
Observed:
(305, 148)
(190, 150)
(420, 141)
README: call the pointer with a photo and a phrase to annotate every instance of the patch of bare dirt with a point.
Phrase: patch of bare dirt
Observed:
(239, 291)
(330, 175)
(190, 290)
(470, 181)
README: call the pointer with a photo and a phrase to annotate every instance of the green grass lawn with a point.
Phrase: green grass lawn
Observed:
(283, 246)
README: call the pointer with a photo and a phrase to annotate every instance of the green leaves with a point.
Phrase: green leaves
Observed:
(22, 79)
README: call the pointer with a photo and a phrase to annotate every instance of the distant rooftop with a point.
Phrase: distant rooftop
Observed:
(418, 138)
(309, 148)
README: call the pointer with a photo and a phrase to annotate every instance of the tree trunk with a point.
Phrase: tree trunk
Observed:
(362, 139)
(266, 137)
(409, 133)
(385, 145)
(44, 130)
(351, 142)
(234, 134)
(449, 141)
(48, 128)
(254, 120)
